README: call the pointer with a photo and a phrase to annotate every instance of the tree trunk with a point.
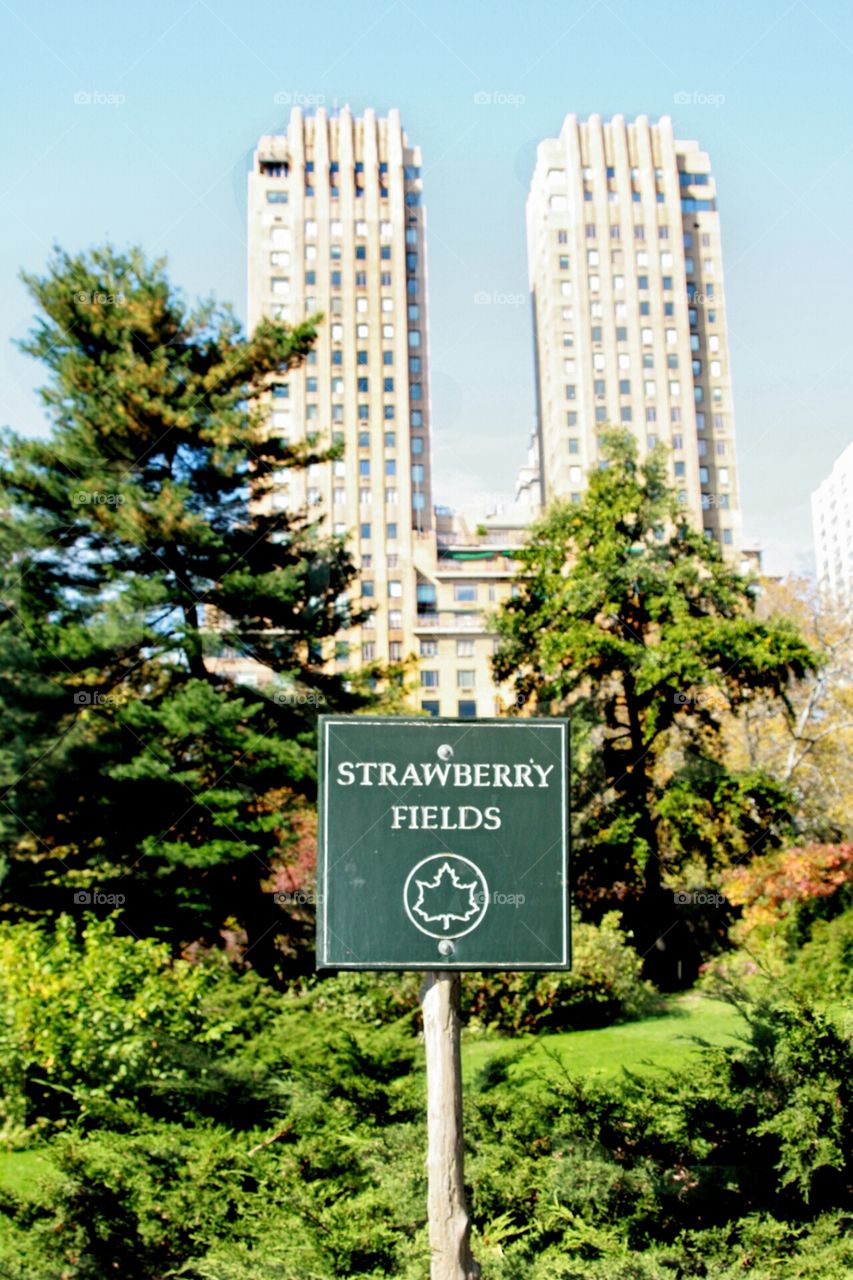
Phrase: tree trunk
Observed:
(449, 1225)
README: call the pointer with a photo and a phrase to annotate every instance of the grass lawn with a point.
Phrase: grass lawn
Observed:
(21, 1171)
(664, 1041)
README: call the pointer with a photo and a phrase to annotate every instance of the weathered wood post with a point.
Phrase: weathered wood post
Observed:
(449, 1225)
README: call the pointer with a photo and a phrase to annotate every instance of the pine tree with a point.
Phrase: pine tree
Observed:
(631, 620)
(130, 762)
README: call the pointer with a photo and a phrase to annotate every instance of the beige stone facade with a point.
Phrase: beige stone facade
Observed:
(337, 226)
(465, 581)
(626, 275)
(629, 314)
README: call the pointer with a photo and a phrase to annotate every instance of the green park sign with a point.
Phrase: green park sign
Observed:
(443, 844)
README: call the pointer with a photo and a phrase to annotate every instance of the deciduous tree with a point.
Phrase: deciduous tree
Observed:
(629, 619)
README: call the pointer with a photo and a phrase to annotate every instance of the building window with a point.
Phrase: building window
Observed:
(465, 591)
(465, 679)
(429, 648)
(464, 648)
(431, 708)
(429, 679)
(467, 709)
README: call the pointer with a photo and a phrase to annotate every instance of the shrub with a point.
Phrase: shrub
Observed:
(824, 966)
(366, 999)
(88, 1019)
(739, 1166)
(782, 893)
(604, 986)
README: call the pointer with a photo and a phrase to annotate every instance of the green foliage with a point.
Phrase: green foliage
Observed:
(604, 986)
(627, 616)
(83, 1022)
(134, 543)
(823, 968)
(210, 1126)
(674, 1173)
(739, 1164)
(366, 999)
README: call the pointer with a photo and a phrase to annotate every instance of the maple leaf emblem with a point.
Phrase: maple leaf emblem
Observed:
(446, 898)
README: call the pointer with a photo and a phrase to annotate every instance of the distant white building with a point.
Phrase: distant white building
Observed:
(528, 484)
(832, 521)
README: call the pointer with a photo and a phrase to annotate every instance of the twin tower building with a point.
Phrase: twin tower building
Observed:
(629, 328)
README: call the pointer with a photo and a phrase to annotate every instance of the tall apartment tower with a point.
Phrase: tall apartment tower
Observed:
(629, 311)
(832, 522)
(336, 225)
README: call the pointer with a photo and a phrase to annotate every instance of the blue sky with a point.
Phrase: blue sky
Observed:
(180, 91)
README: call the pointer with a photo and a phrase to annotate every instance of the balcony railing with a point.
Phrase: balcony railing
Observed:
(493, 538)
(451, 620)
(497, 567)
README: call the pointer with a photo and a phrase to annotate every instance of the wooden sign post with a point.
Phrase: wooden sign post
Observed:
(443, 847)
(449, 1224)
